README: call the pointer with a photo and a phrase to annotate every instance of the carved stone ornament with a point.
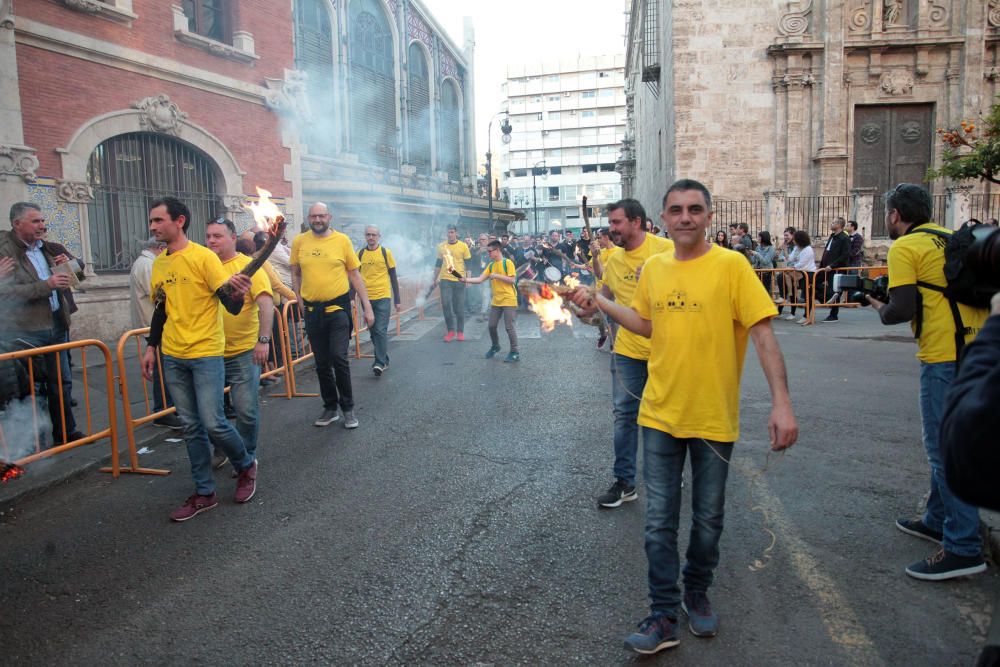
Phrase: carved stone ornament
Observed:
(938, 15)
(795, 24)
(88, 6)
(892, 13)
(159, 114)
(993, 13)
(6, 14)
(289, 95)
(860, 20)
(896, 83)
(18, 161)
(75, 191)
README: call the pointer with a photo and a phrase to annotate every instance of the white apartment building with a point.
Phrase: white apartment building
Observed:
(568, 117)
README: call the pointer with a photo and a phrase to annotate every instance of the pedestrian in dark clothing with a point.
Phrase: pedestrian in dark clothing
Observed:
(836, 255)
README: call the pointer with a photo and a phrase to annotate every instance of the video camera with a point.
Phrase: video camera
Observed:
(857, 288)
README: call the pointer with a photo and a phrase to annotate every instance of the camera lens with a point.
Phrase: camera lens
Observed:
(983, 258)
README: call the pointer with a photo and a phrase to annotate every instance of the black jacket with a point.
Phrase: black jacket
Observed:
(837, 252)
(969, 444)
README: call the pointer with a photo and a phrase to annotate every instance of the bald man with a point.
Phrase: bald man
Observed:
(324, 268)
(378, 270)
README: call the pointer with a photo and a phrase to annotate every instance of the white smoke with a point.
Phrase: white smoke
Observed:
(20, 424)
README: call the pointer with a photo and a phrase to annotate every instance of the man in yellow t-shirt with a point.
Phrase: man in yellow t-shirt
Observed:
(378, 270)
(187, 285)
(248, 334)
(699, 305)
(501, 273)
(916, 280)
(452, 255)
(324, 268)
(628, 359)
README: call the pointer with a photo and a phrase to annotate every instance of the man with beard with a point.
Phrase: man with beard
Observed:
(324, 268)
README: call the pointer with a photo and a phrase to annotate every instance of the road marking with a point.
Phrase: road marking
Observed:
(842, 624)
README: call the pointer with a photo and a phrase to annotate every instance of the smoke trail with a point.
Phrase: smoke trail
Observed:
(20, 426)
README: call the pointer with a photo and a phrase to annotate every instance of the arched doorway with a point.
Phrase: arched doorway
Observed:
(373, 85)
(419, 110)
(451, 131)
(314, 56)
(129, 171)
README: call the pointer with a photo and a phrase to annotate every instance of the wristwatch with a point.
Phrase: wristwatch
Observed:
(264, 339)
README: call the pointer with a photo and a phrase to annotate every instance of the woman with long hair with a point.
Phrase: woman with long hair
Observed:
(722, 239)
(805, 266)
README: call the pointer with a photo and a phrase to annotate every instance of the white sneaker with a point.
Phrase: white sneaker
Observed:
(790, 318)
(803, 321)
(779, 299)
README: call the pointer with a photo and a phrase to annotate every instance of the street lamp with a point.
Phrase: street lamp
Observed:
(542, 171)
(505, 129)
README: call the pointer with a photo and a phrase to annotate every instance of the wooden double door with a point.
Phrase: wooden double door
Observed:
(892, 144)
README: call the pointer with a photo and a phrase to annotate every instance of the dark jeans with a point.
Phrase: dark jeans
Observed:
(453, 305)
(380, 330)
(329, 334)
(663, 465)
(54, 364)
(508, 313)
(628, 379)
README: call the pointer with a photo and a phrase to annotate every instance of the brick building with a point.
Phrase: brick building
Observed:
(107, 104)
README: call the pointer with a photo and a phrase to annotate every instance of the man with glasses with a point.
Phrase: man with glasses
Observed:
(378, 270)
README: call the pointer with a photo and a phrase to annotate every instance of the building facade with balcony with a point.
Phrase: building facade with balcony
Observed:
(808, 99)
(568, 120)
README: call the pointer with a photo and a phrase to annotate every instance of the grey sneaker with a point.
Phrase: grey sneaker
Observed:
(702, 621)
(350, 421)
(328, 417)
(378, 369)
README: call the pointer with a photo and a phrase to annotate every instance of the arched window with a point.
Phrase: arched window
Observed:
(130, 171)
(373, 86)
(419, 110)
(314, 56)
(450, 131)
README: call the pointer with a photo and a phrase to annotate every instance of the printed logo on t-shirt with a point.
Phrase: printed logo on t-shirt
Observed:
(678, 302)
(316, 252)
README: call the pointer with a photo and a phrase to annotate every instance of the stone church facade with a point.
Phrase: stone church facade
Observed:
(810, 98)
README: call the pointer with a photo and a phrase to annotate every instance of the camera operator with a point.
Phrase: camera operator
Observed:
(917, 257)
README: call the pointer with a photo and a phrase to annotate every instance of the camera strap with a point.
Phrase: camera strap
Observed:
(960, 329)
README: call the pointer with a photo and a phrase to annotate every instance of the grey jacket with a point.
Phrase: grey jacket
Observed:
(24, 298)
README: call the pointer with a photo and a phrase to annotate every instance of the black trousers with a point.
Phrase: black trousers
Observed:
(330, 334)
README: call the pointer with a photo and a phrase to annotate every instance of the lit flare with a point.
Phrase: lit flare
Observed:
(265, 212)
(549, 307)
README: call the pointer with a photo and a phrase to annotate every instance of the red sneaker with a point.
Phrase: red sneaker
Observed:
(461, 337)
(194, 506)
(450, 336)
(246, 484)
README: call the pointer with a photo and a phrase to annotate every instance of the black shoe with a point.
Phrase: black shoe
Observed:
(73, 403)
(73, 437)
(918, 528)
(830, 318)
(328, 417)
(378, 369)
(619, 493)
(169, 421)
(943, 565)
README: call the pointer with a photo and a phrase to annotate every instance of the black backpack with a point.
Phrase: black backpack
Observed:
(384, 258)
(961, 284)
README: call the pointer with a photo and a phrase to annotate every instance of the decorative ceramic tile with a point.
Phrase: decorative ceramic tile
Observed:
(61, 218)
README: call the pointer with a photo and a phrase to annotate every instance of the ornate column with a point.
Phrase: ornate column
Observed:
(959, 206)
(774, 200)
(18, 162)
(864, 209)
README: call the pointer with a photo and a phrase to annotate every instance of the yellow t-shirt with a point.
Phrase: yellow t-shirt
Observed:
(619, 276)
(375, 271)
(603, 258)
(194, 314)
(324, 262)
(919, 256)
(504, 294)
(702, 310)
(459, 253)
(242, 330)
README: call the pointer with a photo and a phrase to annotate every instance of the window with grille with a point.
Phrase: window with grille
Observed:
(130, 171)
(314, 56)
(419, 110)
(208, 18)
(651, 46)
(373, 86)
(450, 132)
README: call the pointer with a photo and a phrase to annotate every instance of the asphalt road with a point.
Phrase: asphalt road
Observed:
(458, 526)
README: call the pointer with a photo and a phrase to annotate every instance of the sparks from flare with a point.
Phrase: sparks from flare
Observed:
(549, 307)
(265, 212)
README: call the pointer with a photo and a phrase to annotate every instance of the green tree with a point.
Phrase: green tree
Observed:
(971, 151)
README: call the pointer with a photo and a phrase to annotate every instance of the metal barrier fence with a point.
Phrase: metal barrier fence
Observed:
(824, 297)
(31, 357)
(788, 287)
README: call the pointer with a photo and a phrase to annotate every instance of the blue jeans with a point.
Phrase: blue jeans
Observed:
(956, 519)
(196, 386)
(380, 330)
(243, 378)
(628, 379)
(54, 365)
(663, 466)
